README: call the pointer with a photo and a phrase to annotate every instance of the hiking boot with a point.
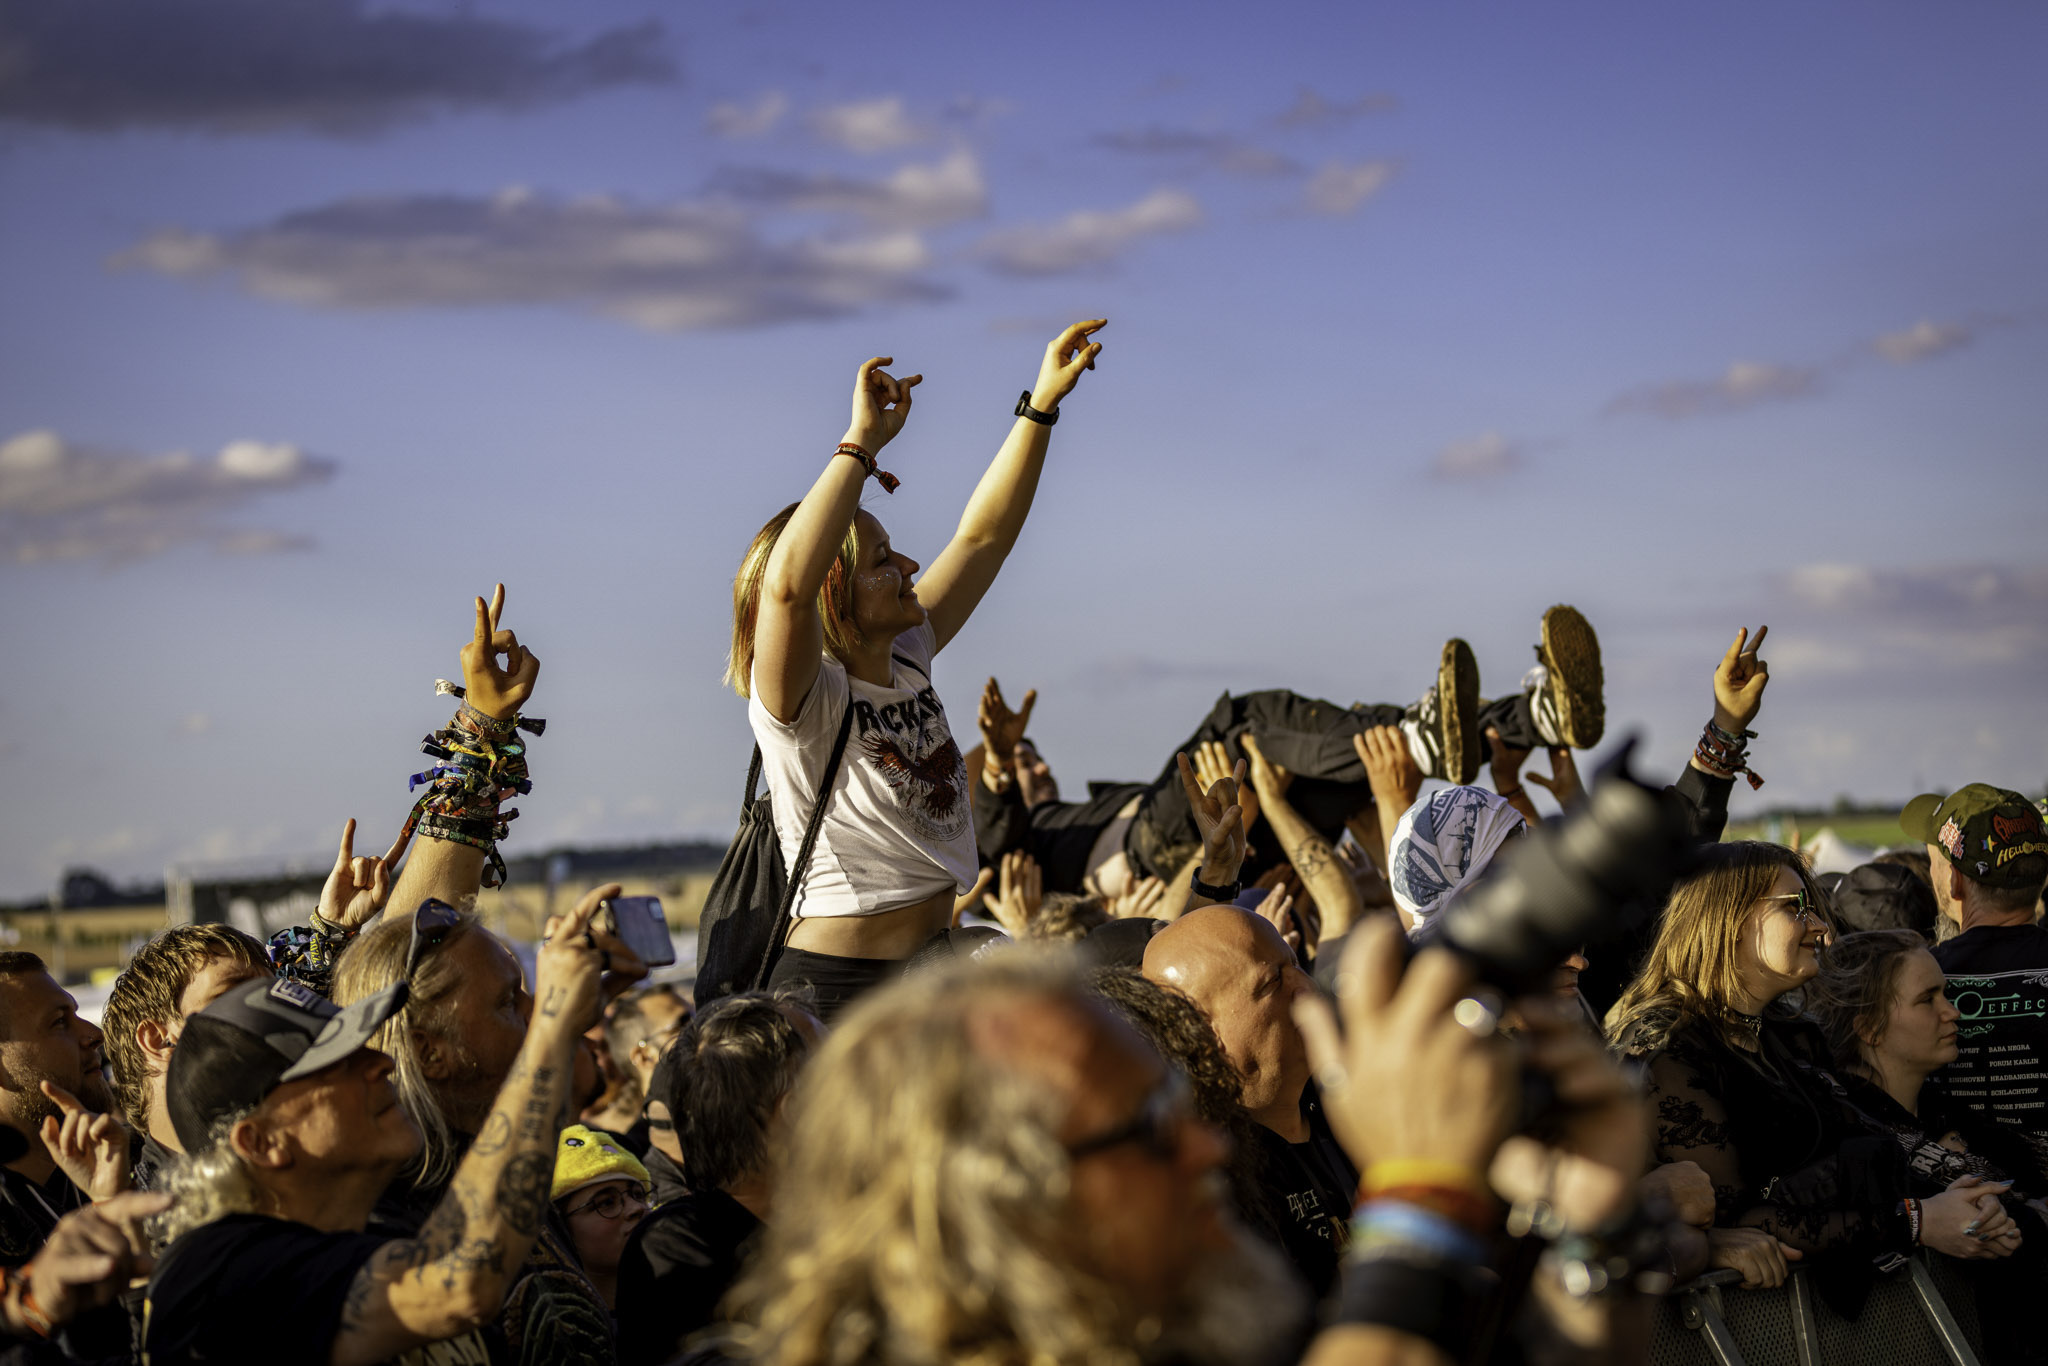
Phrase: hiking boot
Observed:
(1567, 687)
(1443, 728)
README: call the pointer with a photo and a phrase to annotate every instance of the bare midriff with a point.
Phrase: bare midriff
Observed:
(895, 933)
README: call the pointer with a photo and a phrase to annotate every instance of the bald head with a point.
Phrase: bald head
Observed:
(1237, 968)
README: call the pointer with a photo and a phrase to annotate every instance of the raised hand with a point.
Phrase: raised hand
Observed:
(92, 1255)
(1019, 895)
(881, 404)
(1401, 1078)
(494, 689)
(1066, 356)
(1140, 899)
(1219, 820)
(1563, 782)
(92, 1148)
(358, 887)
(1390, 770)
(574, 959)
(1739, 682)
(1269, 780)
(1212, 766)
(1002, 728)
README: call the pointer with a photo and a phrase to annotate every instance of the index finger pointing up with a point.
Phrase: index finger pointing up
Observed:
(348, 843)
(483, 626)
(497, 605)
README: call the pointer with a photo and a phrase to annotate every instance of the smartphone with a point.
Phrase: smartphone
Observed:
(640, 923)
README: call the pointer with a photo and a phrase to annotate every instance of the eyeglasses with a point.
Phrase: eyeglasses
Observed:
(1804, 908)
(1156, 1127)
(610, 1203)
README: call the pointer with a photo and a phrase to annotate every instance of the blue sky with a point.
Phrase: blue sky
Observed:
(1422, 318)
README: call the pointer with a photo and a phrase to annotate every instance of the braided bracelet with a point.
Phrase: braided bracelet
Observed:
(1724, 754)
(881, 476)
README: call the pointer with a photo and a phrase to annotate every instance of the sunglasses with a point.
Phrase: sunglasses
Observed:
(1804, 908)
(431, 924)
(610, 1203)
(1156, 1127)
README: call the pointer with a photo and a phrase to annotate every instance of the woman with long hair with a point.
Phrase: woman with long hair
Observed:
(827, 622)
(1741, 1079)
(1882, 1001)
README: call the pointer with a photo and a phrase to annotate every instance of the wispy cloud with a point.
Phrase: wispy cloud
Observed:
(1952, 615)
(1486, 456)
(729, 119)
(1311, 110)
(60, 501)
(671, 267)
(915, 196)
(1922, 341)
(1339, 188)
(1088, 237)
(877, 125)
(1744, 385)
(1218, 151)
(324, 66)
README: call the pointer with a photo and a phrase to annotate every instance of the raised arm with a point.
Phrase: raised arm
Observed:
(953, 587)
(453, 1276)
(1327, 879)
(449, 869)
(789, 635)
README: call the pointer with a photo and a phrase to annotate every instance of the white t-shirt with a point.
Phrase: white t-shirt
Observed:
(897, 828)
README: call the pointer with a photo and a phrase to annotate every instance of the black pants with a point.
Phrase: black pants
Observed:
(1308, 737)
(831, 982)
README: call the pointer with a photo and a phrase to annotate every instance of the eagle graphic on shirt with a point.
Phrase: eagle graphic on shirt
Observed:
(910, 745)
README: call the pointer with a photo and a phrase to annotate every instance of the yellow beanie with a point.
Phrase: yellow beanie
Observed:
(585, 1157)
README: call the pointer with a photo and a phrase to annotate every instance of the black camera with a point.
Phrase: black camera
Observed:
(1580, 880)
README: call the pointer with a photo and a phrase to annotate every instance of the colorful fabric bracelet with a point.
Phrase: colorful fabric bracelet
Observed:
(887, 480)
(1725, 754)
(1384, 1223)
(482, 763)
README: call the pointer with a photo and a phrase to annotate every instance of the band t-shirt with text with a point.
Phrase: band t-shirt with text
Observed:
(1998, 978)
(898, 827)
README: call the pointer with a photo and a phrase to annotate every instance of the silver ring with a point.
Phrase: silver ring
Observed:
(1333, 1077)
(1481, 1018)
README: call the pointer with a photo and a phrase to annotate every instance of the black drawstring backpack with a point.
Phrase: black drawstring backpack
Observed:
(746, 912)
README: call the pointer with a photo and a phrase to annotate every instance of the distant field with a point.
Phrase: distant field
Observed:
(1872, 829)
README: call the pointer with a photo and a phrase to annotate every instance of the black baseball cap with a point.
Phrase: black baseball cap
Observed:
(255, 1037)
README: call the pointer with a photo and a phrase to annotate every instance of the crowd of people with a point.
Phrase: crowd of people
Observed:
(1186, 1070)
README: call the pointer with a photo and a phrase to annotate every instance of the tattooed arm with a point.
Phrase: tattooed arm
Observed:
(453, 1277)
(1325, 877)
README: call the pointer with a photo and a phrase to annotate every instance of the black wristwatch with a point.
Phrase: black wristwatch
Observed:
(1024, 409)
(1225, 893)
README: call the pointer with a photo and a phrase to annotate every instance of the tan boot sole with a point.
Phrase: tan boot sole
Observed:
(1571, 651)
(1457, 696)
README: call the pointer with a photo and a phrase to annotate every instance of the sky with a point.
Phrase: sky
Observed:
(322, 316)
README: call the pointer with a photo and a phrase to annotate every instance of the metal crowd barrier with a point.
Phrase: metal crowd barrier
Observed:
(1907, 1321)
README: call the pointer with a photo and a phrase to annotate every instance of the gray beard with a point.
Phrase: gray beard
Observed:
(1243, 1306)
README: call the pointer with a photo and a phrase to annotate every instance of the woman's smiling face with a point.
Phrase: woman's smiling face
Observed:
(884, 600)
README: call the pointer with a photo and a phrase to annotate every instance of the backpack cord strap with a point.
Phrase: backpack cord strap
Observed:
(803, 852)
(753, 779)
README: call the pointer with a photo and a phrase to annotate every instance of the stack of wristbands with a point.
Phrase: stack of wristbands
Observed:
(482, 762)
(1726, 753)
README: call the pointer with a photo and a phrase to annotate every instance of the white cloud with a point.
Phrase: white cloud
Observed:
(669, 267)
(734, 120)
(1312, 110)
(1339, 188)
(877, 125)
(1863, 617)
(1744, 384)
(59, 501)
(1486, 456)
(1921, 341)
(914, 196)
(1088, 237)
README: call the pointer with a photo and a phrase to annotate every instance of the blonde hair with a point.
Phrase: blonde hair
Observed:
(374, 961)
(835, 599)
(1692, 974)
(934, 1192)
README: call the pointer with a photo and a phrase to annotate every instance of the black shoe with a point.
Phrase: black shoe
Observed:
(1570, 702)
(1445, 723)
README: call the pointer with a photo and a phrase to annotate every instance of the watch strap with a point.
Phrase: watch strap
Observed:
(1024, 409)
(1228, 892)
